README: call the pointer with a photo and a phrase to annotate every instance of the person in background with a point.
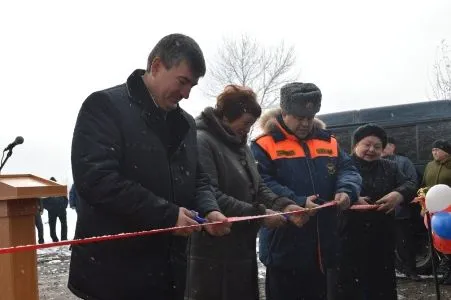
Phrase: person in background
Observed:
(366, 267)
(56, 209)
(135, 167)
(301, 161)
(438, 171)
(405, 242)
(225, 268)
(38, 221)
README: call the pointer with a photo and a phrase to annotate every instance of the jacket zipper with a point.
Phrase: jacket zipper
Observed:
(318, 242)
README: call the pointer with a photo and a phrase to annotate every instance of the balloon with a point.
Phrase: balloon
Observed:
(441, 224)
(438, 198)
(441, 244)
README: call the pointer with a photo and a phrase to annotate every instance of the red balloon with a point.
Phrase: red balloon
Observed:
(441, 244)
(448, 209)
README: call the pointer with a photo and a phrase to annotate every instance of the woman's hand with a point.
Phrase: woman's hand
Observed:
(300, 217)
(273, 221)
(363, 200)
(389, 202)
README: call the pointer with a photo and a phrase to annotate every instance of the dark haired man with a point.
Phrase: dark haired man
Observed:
(135, 165)
(56, 209)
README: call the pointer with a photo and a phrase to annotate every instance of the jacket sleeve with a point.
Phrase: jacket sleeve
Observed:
(72, 197)
(404, 186)
(409, 170)
(268, 173)
(269, 199)
(426, 170)
(205, 199)
(229, 205)
(349, 180)
(96, 154)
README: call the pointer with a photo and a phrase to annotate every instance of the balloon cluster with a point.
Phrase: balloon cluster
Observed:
(438, 203)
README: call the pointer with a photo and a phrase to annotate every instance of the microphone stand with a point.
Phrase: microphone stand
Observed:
(8, 155)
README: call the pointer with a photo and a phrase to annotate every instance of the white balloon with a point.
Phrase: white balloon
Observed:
(438, 198)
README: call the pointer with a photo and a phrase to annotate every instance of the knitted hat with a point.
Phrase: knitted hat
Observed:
(300, 99)
(369, 130)
(442, 145)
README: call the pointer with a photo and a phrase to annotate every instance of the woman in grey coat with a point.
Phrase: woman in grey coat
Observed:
(226, 267)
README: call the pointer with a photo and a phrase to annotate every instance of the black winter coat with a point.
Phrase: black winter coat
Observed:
(55, 205)
(133, 167)
(225, 268)
(366, 266)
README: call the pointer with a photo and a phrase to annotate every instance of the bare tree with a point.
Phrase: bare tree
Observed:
(246, 62)
(441, 80)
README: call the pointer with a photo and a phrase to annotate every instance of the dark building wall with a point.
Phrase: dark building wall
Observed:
(414, 126)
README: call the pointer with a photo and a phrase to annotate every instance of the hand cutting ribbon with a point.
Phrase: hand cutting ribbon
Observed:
(197, 218)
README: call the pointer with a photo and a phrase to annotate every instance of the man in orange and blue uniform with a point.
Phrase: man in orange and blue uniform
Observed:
(303, 162)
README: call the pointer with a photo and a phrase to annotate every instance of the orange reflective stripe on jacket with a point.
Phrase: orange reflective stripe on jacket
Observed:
(293, 149)
(323, 148)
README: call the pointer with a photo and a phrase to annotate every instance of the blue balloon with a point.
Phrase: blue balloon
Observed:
(441, 224)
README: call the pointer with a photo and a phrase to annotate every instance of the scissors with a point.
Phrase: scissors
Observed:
(197, 218)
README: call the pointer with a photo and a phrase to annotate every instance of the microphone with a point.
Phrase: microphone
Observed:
(17, 141)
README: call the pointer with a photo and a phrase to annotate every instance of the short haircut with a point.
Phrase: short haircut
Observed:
(235, 101)
(175, 48)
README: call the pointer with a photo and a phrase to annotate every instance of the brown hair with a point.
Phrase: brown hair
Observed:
(235, 101)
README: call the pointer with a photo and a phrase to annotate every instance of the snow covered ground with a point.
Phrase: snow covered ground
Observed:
(53, 263)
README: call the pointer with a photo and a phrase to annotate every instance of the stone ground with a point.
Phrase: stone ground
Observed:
(53, 271)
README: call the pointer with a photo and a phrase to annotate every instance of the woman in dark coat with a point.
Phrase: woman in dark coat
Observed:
(366, 265)
(226, 268)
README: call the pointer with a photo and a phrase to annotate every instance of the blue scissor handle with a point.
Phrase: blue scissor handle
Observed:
(197, 218)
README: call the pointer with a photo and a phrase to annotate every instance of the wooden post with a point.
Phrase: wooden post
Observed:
(18, 205)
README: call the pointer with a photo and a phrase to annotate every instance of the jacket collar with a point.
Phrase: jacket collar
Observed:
(138, 93)
(208, 121)
(446, 162)
(282, 132)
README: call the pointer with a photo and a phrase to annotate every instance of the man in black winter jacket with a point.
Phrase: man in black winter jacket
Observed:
(56, 209)
(135, 166)
(404, 226)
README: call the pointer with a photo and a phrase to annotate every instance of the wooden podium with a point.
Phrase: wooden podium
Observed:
(19, 196)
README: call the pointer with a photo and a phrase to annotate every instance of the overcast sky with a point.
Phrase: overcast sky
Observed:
(55, 53)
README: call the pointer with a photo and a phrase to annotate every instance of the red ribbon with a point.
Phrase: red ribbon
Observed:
(16, 249)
